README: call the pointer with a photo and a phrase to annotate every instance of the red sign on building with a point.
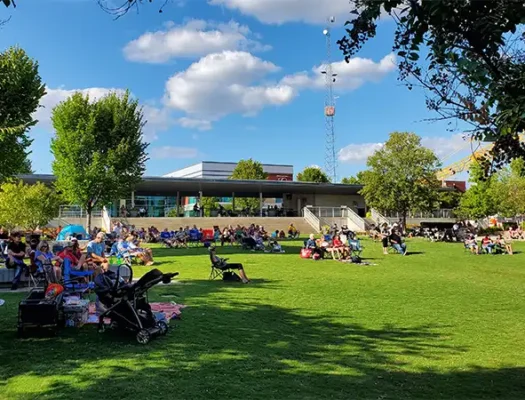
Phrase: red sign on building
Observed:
(459, 185)
(280, 177)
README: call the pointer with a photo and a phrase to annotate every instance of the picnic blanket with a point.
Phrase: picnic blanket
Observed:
(170, 311)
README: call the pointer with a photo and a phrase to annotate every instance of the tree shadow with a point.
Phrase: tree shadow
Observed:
(240, 351)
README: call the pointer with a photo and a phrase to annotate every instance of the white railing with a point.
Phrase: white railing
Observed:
(435, 214)
(354, 219)
(67, 211)
(379, 218)
(312, 219)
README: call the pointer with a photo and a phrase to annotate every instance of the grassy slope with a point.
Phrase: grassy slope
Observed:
(438, 324)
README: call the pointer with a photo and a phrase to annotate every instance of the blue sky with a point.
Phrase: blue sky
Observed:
(222, 80)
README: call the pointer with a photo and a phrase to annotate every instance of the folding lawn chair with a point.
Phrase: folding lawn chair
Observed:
(218, 268)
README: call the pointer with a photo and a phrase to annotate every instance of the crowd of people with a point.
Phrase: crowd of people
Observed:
(35, 256)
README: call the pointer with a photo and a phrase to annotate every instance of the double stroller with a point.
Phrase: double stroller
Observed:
(126, 304)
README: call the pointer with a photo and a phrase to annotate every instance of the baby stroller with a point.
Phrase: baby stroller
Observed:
(127, 304)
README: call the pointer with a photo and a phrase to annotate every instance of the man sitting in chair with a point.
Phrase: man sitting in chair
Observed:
(222, 264)
(96, 253)
(397, 243)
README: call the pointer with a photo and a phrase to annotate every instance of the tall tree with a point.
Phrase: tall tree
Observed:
(353, 180)
(248, 170)
(27, 206)
(21, 89)
(468, 56)
(478, 201)
(98, 147)
(313, 174)
(401, 176)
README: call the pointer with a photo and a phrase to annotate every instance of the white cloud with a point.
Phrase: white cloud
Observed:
(225, 83)
(172, 152)
(55, 96)
(350, 75)
(199, 124)
(281, 11)
(157, 120)
(194, 39)
(358, 153)
(443, 147)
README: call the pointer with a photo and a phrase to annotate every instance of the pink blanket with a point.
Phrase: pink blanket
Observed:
(170, 310)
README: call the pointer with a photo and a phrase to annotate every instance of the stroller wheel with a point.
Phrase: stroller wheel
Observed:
(143, 337)
(163, 326)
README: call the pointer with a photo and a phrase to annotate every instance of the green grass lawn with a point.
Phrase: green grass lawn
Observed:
(437, 324)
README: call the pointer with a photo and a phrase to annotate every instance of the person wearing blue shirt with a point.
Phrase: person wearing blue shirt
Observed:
(96, 250)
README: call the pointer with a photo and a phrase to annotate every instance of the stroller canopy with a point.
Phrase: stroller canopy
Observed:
(73, 231)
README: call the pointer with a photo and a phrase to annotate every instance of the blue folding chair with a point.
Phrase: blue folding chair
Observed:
(73, 280)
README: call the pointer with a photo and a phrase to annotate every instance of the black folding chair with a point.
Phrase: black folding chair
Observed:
(218, 268)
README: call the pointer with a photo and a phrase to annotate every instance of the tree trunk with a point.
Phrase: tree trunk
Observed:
(404, 222)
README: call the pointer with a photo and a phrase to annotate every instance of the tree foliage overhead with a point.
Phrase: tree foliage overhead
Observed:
(248, 170)
(468, 56)
(98, 147)
(401, 176)
(353, 180)
(27, 206)
(502, 194)
(21, 89)
(313, 174)
(119, 8)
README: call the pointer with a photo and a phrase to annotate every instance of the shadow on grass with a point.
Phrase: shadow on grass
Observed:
(242, 351)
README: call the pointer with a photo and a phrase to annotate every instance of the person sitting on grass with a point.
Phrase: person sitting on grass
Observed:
(471, 244)
(222, 264)
(127, 247)
(274, 246)
(503, 245)
(487, 245)
(292, 232)
(397, 243)
(45, 257)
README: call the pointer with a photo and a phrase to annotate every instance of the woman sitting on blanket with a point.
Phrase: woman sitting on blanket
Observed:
(145, 255)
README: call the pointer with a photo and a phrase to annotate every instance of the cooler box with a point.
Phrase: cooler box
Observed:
(35, 312)
(76, 312)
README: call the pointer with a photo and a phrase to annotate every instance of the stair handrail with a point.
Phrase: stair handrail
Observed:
(312, 219)
(379, 218)
(354, 218)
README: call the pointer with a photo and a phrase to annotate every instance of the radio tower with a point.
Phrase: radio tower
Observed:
(330, 161)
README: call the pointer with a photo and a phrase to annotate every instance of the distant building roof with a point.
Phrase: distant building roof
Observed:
(163, 186)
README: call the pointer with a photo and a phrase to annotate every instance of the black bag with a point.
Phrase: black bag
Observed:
(231, 277)
(356, 259)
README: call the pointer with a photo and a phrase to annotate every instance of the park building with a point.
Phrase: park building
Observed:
(157, 200)
(223, 170)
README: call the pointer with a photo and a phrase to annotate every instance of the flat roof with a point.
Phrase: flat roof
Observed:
(234, 163)
(189, 187)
